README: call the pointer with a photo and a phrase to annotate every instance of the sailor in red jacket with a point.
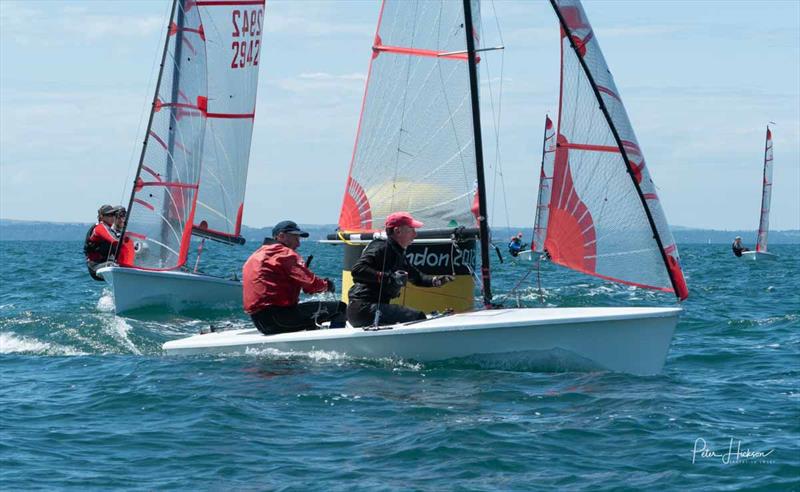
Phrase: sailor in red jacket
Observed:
(272, 279)
(101, 241)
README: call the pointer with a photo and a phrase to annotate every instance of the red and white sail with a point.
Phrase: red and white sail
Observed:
(545, 186)
(194, 164)
(233, 31)
(165, 190)
(415, 148)
(604, 218)
(766, 195)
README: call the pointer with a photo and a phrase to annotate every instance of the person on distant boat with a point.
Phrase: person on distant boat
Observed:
(516, 245)
(125, 251)
(119, 220)
(101, 241)
(272, 279)
(382, 271)
(737, 246)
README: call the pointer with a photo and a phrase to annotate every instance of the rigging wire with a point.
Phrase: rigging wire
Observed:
(496, 116)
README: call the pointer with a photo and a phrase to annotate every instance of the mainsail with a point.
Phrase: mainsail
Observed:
(415, 146)
(604, 216)
(545, 186)
(766, 195)
(199, 131)
(233, 46)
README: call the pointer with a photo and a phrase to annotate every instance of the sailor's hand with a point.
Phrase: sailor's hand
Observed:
(440, 280)
(331, 285)
(400, 277)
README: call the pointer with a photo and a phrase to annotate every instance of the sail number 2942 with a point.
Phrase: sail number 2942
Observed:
(246, 34)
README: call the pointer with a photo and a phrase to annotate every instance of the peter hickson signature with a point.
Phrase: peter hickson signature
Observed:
(732, 456)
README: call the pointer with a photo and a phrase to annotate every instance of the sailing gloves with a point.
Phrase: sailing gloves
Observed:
(400, 278)
(440, 280)
(331, 285)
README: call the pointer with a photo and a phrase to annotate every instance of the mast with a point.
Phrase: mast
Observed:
(476, 127)
(618, 140)
(150, 120)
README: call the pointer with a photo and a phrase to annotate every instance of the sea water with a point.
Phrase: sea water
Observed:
(89, 401)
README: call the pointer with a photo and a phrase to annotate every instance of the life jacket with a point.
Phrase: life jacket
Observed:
(97, 250)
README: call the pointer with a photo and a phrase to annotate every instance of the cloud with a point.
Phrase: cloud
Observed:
(322, 81)
(303, 24)
(65, 23)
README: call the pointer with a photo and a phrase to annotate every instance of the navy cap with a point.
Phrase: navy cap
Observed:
(288, 227)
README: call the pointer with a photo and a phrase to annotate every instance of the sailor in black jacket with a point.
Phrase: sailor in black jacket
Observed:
(381, 273)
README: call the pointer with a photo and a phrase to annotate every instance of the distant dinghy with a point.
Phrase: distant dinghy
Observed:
(766, 201)
(191, 178)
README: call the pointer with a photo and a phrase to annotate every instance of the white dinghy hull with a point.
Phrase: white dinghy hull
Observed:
(175, 291)
(759, 255)
(529, 255)
(632, 340)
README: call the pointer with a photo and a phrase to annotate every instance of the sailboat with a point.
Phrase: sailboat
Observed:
(766, 200)
(423, 146)
(543, 197)
(190, 182)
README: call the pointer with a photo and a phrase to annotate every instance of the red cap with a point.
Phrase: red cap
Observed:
(398, 219)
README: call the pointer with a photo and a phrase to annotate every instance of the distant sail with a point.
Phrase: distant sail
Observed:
(766, 195)
(415, 148)
(230, 112)
(605, 218)
(545, 186)
(165, 190)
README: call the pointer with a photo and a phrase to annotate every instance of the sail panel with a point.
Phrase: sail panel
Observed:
(415, 147)
(603, 198)
(165, 189)
(545, 186)
(766, 195)
(232, 30)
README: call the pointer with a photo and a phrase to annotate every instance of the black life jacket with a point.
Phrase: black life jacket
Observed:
(98, 249)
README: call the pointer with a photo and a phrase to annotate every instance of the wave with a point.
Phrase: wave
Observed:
(11, 343)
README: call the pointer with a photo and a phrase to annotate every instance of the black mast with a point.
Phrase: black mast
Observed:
(149, 121)
(617, 139)
(476, 128)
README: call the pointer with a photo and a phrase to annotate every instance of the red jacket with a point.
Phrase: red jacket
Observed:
(274, 276)
(100, 244)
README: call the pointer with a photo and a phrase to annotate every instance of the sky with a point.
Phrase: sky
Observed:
(700, 81)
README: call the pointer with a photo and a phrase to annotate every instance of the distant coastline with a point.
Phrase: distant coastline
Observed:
(28, 230)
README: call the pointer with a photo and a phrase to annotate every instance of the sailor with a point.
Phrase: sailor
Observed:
(272, 279)
(382, 271)
(516, 245)
(101, 241)
(737, 246)
(125, 253)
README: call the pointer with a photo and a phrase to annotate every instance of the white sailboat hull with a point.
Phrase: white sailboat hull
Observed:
(759, 255)
(632, 340)
(529, 255)
(174, 291)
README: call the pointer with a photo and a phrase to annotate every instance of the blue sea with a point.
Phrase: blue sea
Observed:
(88, 400)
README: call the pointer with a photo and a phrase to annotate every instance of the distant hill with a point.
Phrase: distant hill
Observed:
(26, 230)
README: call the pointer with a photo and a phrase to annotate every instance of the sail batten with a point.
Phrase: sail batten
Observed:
(604, 217)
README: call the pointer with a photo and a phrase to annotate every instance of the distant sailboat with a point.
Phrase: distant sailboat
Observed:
(766, 200)
(545, 189)
(192, 172)
(426, 52)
